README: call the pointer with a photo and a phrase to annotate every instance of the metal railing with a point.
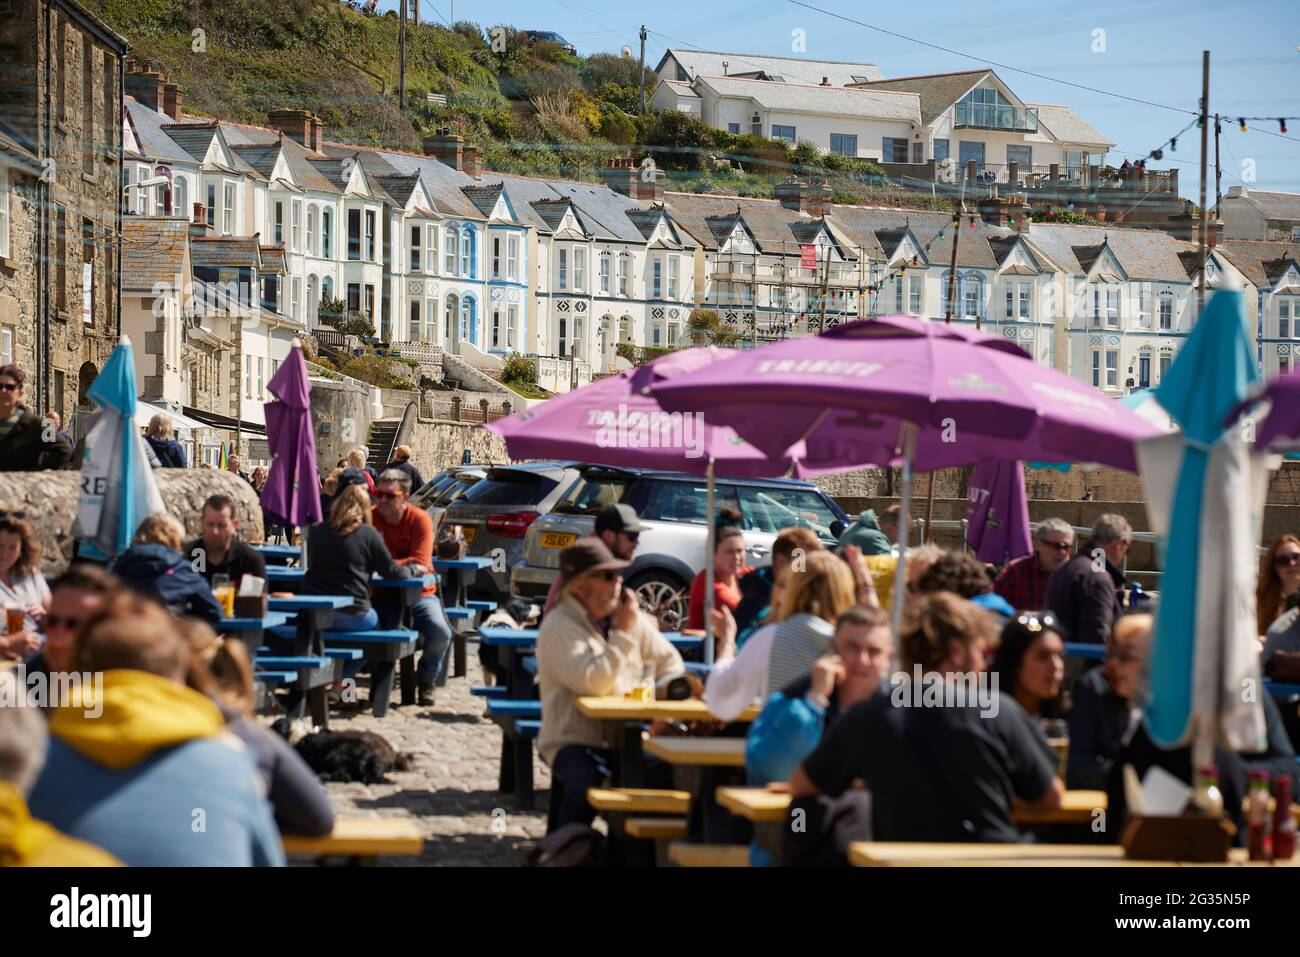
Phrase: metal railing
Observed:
(989, 116)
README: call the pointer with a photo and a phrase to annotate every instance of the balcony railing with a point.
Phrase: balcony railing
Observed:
(986, 116)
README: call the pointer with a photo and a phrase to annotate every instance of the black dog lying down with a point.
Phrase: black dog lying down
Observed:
(346, 756)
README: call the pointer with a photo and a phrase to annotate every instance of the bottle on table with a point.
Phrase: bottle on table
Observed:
(1257, 817)
(1208, 799)
(1283, 820)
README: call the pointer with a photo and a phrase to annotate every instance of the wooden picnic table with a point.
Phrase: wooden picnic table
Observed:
(623, 718)
(901, 854)
(362, 839)
(763, 806)
(700, 767)
(698, 752)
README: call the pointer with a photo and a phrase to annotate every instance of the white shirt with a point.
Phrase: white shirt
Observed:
(28, 590)
(733, 684)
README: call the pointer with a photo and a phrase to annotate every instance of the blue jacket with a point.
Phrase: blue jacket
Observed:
(169, 452)
(148, 814)
(167, 576)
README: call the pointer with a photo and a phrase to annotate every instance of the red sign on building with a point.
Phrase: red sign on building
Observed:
(808, 256)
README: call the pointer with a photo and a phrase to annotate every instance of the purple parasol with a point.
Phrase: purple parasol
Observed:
(291, 495)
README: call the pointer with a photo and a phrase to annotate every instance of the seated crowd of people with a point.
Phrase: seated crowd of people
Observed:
(155, 758)
(809, 640)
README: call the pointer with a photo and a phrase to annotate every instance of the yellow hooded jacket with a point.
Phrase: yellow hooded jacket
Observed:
(27, 842)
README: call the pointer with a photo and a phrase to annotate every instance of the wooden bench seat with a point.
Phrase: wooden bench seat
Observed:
(708, 855)
(639, 801)
(487, 607)
(656, 828)
(361, 839)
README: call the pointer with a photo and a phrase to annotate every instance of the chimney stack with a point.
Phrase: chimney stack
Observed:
(826, 81)
(446, 147)
(301, 126)
(624, 176)
(199, 227)
(811, 198)
(147, 88)
(172, 101)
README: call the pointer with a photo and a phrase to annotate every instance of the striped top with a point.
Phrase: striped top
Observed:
(799, 641)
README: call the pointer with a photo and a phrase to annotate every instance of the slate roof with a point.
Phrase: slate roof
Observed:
(148, 126)
(1067, 125)
(709, 219)
(225, 251)
(484, 198)
(1144, 254)
(709, 62)
(864, 102)
(937, 91)
(273, 260)
(860, 225)
(552, 211)
(153, 250)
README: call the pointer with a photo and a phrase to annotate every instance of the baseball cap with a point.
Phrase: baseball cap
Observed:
(618, 518)
(588, 554)
(351, 476)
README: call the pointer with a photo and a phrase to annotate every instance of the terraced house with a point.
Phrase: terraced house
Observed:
(60, 188)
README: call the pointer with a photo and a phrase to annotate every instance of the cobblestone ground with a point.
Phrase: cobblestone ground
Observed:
(450, 791)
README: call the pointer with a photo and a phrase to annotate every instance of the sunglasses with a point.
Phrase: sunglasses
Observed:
(1059, 546)
(387, 496)
(54, 621)
(1284, 561)
(9, 387)
(609, 575)
(632, 536)
(1036, 623)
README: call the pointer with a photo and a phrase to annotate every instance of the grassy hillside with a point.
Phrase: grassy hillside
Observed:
(533, 107)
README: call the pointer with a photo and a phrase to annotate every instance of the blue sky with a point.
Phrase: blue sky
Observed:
(1152, 52)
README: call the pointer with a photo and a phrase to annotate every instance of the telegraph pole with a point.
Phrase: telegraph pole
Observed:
(640, 78)
(401, 57)
(1205, 134)
(1218, 171)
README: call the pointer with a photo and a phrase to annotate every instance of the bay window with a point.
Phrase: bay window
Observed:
(512, 258)
(431, 254)
(674, 266)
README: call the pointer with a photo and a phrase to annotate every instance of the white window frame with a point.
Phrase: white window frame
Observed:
(915, 295)
(467, 251)
(496, 257)
(141, 195)
(451, 244)
(369, 247)
(657, 277)
(562, 266)
(415, 254)
(229, 201)
(6, 345)
(512, 257)
(624, 275)
(674, 273)
(431, 249)
(604, 273)
(512, 318)
(297, 226)
(579, 269)
(313, 220)
(1112, 371)
(180, 197)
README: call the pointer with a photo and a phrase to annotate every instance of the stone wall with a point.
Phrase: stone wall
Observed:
(437, 445)
(340, 413)
(50, 501)
(1103, 484)
(18, 278)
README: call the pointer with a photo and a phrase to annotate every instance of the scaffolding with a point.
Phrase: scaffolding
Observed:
(830, 293)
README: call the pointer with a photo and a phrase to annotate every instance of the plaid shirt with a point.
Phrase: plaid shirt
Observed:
(1023, 584)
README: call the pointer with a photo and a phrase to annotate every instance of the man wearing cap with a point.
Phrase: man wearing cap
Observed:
(577, 656)
(620, 529)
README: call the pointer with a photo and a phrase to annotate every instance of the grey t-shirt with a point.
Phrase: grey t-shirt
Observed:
(1282, 635)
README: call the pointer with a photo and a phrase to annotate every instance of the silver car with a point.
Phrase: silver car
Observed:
(496, 512)
(672, 507)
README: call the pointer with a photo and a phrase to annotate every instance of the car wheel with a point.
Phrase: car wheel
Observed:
(663, 595)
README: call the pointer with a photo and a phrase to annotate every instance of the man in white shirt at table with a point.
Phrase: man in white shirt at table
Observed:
(595, 642)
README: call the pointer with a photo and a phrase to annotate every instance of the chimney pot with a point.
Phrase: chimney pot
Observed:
(147, 88)
(172, 101)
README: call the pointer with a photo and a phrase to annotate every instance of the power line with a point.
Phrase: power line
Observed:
(1001, 66)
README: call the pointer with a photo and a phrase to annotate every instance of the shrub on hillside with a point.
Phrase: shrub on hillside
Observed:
(676, 140)
(520, 369)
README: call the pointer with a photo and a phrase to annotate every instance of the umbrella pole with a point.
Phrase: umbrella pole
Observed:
(929, 506)
(710, 547)
(904, 522)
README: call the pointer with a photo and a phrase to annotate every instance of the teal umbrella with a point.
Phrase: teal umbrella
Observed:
(118, 489)
(1205, 498)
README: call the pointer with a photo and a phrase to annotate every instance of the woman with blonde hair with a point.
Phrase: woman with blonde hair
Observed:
(154, 567)
(1279, 579)
(342, 555)
(356, 459)
(220, 668)
(775, 655)
(22, 585)
(164, 445)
